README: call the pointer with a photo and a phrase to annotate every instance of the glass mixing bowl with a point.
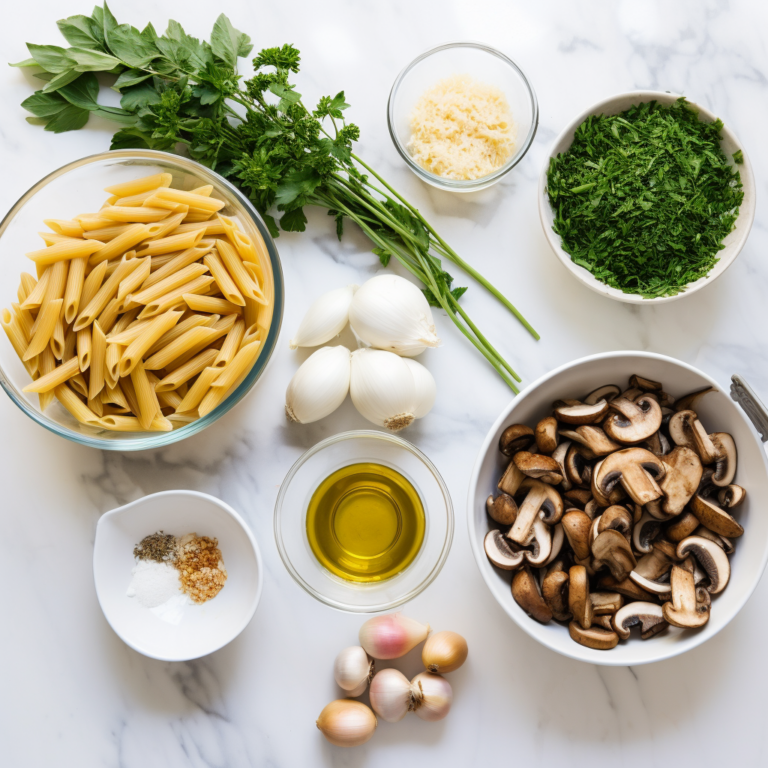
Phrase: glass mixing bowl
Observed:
(78, 188)
(291, 520)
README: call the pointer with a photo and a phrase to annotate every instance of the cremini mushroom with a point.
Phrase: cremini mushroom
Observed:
(516, 437)
(559, 455)
(546, 435)
(540, 544)
(558, 537)
(579, 602)
(595, 637)
(576, 525)
(502, 509)
(526, 592)
(616, 518)
(635, 469)
(650, 570)
(626, 587)
(540, 500)
(686, 429)
(644, 532)
(554, 589)
(536, 465)
(605, 603)
(684, 610)
(607, 392)
(732, 496)
(511, 479)
(688, 402)
(711, 516)
(683, 470)
(612, 550)
(577, 470)
(648, 616)
(632, 422)
(502, 552)
(583, 413)
(578, 497)
(591, 437)
(711, 558)
(721, 541)
(647, 385)
(725, 463)
(681, 527)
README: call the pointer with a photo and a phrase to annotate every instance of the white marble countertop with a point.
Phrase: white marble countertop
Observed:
(74, 695)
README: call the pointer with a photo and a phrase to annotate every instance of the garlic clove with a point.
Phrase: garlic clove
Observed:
(383, 388)
(391, 695)
(432, 696)
(426, 389)
(327, 317)
(444, 652)
(347, 723)
(320, 385)
(391, 313)
(391, 636)
(353, 670)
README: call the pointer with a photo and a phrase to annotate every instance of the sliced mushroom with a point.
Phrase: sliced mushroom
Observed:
(611, 550)
(684, 610)
(653, 508)
(501, 552)
(711, 558)
(536, 465)
(632, 393)
(644, 532)
(666, 400)
(725, 463)
(647, 385)
(576, 525)
(577, 470)
(607, 392)
(648, 616)
(605, 622)
(592, 508)
(502, 509)
(554, 590)
(626, 587)
(614, 496)
(559, 455)
(540, 500)
(650, 569)
(731, 497)
(616, 518)
(546, 435)
(579, 602)
(681, 479)
(721, 541)
(658, 444)
(582, 413)
(715, 518)
(595, 637)
(605, 603)
(526, 592)
(689, 401)
(515, 438)
(511, 479)
(558, 537)
(540, 543)
(635, 469)
(578, 497)
(591, 437)
(681, 527)
(632, 422)
(686, 429)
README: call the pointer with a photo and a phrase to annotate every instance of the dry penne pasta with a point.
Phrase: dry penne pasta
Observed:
(175, 262)
(123, 243)
(247, 247)
(223, 279)
(141, 214)
(164, 228)
(196, 338)
(104, 295)
(70, 345)
(79, 385)
(162, 197)
(184, 325)
(45, 328)
(173, 243)
(62, 227)
(84, 348)
(114, 396)
(221, 328)
(136, 350)
(132, 200)
(18, 340)
(65, 250)
(93, 282)
(174, 299)
(198, 390)
(25, 320)
(49, 238)
(75, 405)
(91, 221)
(134, 281)
(132, 424)
(145, 396)
(197, 216)
(211, 228)
(170, 283)
(178, 376)
(74, 287)
(51, 379)
(234, 264)
(231, 344)
(107, 234)
(137, 186)
(230, 377)
(112, 364)
(35, 297)
(47, 363)
(98, 361)
(211, 304)
(57, 340)
(27, 284)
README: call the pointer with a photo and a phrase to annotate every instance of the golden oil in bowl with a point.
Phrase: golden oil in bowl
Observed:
(365, 522)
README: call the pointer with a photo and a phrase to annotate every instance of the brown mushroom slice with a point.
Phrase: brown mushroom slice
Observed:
(501, 552)
(732, 496)
(725, 463)
(658, 444)
(546, 435)
(688, 402)
(605, 603)
(721, 541)
(616, 518)
(711, 558)
(576, 525)
(686, 429)
(633, 421)
(650, 569)
(582, 413)
(611, 550)
(715, 518)
(647, 385)
(577, 471)
(591, 437)
(665, 399)
(614, 496)
(558, 537)
(540, 500)
(511, 479)
(627, 587)
(514, 438)
(644, 532)
(592, 509)
(606, 622)
(632, 393)
(595, 637)
(681, 479)
(526, 592)
(607, 392)
(554, 590)
(502, 509)
(578, 497)
(635, 468)
(579, 602)
(681, 527)
(684, 610)
(648, 616)
(543, 468)
(540, 543)
(565, 402)
(653, 508)
(559, 455)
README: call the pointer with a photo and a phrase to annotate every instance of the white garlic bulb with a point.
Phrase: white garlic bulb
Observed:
(389, 312)
(426, 389)
(382, 388)
(353, 670)
(391, 695)
(347, 723)
(326, 318)
(319, 386)
(432, 696)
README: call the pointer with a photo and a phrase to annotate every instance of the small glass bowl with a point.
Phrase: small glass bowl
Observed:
(487, 65)
(78, 188)
(291, 514)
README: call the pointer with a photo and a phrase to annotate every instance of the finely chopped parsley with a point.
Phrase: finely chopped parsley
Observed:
(644, 199)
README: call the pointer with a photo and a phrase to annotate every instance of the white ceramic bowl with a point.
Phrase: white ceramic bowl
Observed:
(734, 242)
(203, 628)
(718, 413)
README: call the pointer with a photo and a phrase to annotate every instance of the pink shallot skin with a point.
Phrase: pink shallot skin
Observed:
(391, 636)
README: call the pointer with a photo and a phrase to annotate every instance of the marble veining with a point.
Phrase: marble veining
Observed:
(74, 695)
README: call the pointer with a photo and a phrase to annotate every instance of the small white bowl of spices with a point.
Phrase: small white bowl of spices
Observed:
(462, 115)
(178, 574)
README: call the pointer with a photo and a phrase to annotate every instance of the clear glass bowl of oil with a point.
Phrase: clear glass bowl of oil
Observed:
(364, 521)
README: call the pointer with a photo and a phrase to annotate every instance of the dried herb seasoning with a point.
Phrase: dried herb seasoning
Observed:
(161, 547)
(644, 199)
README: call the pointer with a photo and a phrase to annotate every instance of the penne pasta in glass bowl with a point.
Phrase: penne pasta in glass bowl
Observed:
(150, 308)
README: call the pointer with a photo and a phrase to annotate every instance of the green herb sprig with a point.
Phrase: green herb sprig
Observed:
(182, 94)
(644, 199)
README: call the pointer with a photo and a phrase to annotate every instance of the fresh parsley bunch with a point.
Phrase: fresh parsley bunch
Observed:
(182, 94)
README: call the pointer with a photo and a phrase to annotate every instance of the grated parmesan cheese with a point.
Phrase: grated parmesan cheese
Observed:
(461, 129)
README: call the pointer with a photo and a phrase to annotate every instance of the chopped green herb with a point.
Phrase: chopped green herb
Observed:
(738, 157)
(644, 199)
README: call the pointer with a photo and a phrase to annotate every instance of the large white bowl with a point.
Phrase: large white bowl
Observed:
(718, 413)
(734, 242)
(204, 628)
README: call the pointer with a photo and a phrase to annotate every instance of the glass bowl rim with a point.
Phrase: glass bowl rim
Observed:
(158, 439)
(462, 185)
(445, 547)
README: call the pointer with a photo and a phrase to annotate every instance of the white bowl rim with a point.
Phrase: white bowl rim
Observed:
(244, 527)
(746, 216)
(479, 554)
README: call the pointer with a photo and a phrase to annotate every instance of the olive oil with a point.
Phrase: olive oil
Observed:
(365, 522)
